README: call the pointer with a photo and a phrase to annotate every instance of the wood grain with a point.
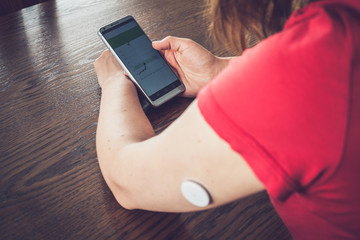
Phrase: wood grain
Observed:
(50, 181)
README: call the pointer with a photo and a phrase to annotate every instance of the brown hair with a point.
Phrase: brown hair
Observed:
(241, 23)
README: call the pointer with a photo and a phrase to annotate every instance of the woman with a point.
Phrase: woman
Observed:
(284, 116)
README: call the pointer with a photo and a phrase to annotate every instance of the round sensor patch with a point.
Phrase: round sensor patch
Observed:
(195, 193)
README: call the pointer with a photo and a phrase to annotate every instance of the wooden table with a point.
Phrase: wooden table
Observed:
(51, 185)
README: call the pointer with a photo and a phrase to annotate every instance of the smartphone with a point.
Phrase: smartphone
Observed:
(144, 65)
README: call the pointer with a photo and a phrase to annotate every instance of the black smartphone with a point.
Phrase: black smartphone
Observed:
(144, 65)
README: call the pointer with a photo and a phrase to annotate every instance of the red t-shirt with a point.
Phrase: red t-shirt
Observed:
(291, 107)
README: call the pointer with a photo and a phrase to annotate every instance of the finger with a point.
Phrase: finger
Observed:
(105, 53)
(168, 43)
(98, 61)
(161, 45)
(111, 61)
(162, 52)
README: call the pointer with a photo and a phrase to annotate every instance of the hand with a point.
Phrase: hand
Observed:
(109, 71)
(195, 65)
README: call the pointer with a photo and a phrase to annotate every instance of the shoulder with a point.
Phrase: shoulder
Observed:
(331, 23)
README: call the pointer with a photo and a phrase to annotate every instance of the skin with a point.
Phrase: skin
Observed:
(144, 170)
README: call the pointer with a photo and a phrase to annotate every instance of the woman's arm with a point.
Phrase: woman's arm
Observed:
(146, 171)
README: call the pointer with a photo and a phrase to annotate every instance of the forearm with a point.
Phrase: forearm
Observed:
(121, 122)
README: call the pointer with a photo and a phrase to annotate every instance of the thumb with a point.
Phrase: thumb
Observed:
(168, 43)
(161, 45)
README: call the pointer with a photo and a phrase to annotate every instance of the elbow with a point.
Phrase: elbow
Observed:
(120, 189)
(118, 176)
(125, 202)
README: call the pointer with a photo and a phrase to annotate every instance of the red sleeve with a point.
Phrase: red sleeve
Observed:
(282, 105)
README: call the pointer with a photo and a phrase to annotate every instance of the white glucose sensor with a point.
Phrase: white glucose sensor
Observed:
(195, 193)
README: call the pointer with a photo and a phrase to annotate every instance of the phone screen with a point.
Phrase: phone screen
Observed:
(145, 64)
